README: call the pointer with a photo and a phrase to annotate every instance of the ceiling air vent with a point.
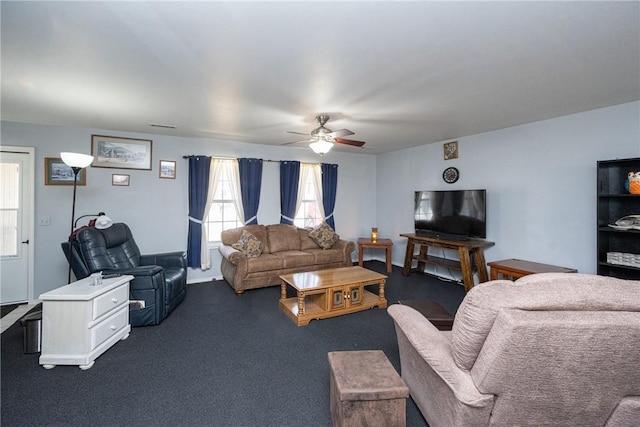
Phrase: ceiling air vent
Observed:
(158, 125)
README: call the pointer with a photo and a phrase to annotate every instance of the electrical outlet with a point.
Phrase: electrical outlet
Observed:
(45, 220)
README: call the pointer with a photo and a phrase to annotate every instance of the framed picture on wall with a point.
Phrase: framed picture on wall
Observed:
(120, 180)
(56, 172)
(121, 153)
(450, 150)
(167, 169)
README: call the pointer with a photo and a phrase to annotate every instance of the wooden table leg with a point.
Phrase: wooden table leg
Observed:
(283, 290)
(423, 254)
(481, 265)
(300, 303)
(389, 268)
(360, 249)
(383, 300)
(408, 258)
(465, 265)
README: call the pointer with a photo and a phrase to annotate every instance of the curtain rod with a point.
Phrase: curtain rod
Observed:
(227, 158)
(235, 158)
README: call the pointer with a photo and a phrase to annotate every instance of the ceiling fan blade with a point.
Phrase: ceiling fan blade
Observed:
(297, 133)
(341, 132)
(295, 142)
(349, 142)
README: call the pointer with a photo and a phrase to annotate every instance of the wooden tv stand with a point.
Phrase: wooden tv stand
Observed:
(465, 248)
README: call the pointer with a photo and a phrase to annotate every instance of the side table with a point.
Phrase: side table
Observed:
(517, 268)
(434, 312)
(80, 321)
(379, 243)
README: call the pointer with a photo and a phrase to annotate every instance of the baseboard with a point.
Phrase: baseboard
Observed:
(203, 280)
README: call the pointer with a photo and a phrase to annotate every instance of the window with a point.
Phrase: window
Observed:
(9, 208)
(309, 210)
(225, 204)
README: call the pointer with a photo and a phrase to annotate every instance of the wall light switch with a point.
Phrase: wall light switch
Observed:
(45, 220)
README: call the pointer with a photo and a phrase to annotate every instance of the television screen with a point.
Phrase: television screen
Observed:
(455, 214)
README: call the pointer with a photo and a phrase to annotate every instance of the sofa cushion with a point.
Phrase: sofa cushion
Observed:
(229, 237)
(306, 242)
(265, 262)
(293, 259)
(248, 244)
(325, 256)
(324, 236)
(283, 237)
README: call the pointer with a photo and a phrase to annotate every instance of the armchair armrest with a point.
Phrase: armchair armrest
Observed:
(166, 260)
(145, 276)
(434, 347)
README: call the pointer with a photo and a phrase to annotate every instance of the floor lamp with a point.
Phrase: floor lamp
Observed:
(76, 162)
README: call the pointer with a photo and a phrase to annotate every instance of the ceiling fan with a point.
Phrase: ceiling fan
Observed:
(323, 138)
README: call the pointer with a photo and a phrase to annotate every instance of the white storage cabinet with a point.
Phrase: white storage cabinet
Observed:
(81, 321)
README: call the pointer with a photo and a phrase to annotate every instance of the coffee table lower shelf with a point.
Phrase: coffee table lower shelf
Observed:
(315, 308)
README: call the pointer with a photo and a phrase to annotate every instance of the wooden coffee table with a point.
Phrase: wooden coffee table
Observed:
(329, 293)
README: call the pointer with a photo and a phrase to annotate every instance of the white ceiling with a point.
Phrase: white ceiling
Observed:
(398, 74)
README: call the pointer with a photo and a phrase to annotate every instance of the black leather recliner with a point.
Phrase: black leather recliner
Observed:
(159, 280)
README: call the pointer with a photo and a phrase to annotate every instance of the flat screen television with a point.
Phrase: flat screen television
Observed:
(452, 215)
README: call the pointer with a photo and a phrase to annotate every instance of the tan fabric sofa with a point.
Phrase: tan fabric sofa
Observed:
(286, 249)
(548, 350)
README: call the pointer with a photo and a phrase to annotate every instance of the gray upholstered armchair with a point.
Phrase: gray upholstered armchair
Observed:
(549, 349)
(159, 279)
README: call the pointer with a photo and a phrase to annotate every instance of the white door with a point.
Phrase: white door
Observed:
(16, 222)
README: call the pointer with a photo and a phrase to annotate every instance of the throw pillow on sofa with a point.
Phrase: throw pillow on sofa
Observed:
(324, 236)
(249, 245)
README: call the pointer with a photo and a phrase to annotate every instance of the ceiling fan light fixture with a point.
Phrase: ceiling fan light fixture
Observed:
(321, 146)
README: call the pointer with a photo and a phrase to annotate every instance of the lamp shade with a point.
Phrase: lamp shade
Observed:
(103, 222)
(76, 160)
(321, 146)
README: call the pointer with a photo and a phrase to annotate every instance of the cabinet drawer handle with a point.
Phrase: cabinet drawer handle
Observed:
(114, 327)
(114, 300)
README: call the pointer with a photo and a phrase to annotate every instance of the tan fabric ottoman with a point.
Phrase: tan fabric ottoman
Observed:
(366, 390)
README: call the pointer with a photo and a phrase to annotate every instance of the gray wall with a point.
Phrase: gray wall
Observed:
(156, 209)
(540, 180)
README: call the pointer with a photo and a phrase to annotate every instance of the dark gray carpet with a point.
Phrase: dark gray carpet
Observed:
(218, 360)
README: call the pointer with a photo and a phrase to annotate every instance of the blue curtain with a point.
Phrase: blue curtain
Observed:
(199, 167)
(250, 184)
(329, 187)
(289, 177)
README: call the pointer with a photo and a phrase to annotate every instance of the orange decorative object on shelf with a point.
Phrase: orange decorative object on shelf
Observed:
(634, 182)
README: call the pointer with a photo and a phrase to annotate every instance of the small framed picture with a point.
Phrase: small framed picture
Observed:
(450, 150)
(167, 169)
(56, 172)
(119, 179)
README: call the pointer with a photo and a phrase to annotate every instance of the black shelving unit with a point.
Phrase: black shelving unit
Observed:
(614, 202)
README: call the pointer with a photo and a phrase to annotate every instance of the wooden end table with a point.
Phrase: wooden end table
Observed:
(434, 312)
(379, 243)
(517, 268)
